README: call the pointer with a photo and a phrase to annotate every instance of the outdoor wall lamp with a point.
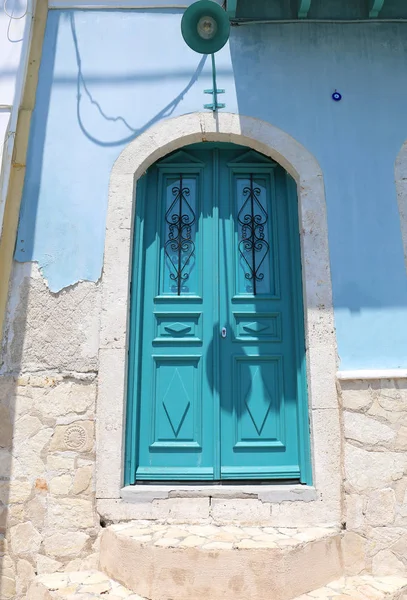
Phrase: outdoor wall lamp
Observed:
(205, 28)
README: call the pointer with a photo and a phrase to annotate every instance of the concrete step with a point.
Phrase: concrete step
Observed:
(78, 585)
(365, 587)
(229, 562)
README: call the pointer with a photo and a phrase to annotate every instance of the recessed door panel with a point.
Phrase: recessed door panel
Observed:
(258, 402)
(177, 411)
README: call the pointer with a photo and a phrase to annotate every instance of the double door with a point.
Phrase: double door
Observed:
(216, 382)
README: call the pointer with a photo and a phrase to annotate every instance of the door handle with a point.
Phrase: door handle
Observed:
(223, 332)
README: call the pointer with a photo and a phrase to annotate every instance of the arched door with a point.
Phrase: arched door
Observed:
(216, 363)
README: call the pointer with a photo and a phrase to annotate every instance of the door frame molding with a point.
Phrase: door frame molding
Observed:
(158, 141)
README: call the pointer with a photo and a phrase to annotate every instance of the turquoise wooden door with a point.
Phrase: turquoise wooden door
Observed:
(216, 362)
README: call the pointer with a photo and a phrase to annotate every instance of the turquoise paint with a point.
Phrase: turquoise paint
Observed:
(107, 76)
(321, 9)
(204, 404)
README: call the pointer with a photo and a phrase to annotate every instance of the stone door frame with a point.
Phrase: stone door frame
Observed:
(161, 139)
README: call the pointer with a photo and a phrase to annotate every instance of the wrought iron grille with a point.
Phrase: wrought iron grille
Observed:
(253, 247)
(179, 247)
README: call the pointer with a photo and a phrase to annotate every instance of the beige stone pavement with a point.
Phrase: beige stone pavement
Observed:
(79, 584)
(361, 588)
(89, 585)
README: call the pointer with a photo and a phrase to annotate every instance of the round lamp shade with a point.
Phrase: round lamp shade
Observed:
(205, 27)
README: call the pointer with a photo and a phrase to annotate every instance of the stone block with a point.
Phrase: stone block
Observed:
(26, 427)
(69, 513)
(78, 436)
(356, 395)
(400, 488)
(353, 547)
(367, 430)
(15, 491)
(372, 470)
(29, 456)
(242, 510)
(38, 591)
(60, 462)
(7, 587)
(115, 510)
(393, 395)
(64, 398)
(60, 486)
(400, 547)
(25, 575)
(82, 480)
(46, 564)
(401, 439)
(194, 509)
(355, 509)
(386, 563)
(381, 507)
(382, 538)
(25, 538)
(65, 544)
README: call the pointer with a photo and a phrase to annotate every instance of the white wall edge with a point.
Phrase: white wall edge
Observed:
(5, 167)
(372, 374)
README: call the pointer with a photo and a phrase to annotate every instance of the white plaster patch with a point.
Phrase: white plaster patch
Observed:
(50, 331)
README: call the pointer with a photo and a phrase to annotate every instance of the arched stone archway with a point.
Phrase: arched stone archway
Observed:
(161, 139)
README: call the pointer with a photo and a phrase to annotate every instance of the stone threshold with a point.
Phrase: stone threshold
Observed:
(264, 493)
(220, 537)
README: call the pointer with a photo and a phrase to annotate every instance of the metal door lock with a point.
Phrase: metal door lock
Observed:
(223, 333)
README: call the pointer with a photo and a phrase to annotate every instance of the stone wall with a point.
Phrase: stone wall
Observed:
(375, 457)
(48, 392)
(48, 385)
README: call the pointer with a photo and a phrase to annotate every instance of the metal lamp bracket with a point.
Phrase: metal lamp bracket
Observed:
(215, 105)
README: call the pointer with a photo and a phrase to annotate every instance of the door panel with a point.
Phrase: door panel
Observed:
(176, 429)
(218, 380)
(259, 409)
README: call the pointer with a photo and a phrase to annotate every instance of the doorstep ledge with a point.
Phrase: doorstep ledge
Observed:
(264, 493)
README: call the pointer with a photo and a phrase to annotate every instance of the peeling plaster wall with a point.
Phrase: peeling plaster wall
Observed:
(105, 77)
(48, 388)
(50, 331)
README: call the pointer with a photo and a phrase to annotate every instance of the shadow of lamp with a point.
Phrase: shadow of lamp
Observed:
(205, 28)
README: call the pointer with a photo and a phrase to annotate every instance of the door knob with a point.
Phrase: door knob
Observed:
(223, 332)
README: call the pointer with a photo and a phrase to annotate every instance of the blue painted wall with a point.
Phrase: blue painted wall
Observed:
(107, 76)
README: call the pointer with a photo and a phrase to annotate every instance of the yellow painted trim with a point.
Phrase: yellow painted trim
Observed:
(17, 174)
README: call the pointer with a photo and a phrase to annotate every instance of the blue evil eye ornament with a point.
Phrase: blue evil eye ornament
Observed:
(336, 96)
